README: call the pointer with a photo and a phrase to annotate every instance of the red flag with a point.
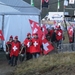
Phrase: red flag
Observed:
(36, 28)
(70, 31)
(55, 22)
(1, 36)
(47, 46)
(44, 30)
(45, 3)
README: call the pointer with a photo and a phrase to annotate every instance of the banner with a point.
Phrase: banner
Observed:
(32, 2)
(56, 16)
(71, 1)
(65, 3)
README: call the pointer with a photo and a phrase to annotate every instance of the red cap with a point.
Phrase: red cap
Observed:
(35, 34)
(28, 34)
(16, 37)
(11, 36)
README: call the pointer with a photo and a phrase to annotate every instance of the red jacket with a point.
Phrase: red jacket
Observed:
(36, 46)
(27, 43)
(15, 49)
(59, 35)
(51, 32)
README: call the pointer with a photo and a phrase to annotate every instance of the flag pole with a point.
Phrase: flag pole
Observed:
(41, 6)
(40, 12)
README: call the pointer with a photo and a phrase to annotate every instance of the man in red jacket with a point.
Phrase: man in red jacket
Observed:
(8, 49)
(15, 49)
(36, 46)
(27, 43)
(59, 36)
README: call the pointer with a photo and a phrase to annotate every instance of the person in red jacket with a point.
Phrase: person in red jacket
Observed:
(59, 36)
(8, 49)
(15, 49)
(27, 43)
(51, 32)
(36, 46)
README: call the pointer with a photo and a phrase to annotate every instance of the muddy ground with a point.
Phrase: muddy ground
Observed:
(5, 69)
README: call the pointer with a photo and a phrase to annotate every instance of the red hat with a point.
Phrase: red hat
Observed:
(11, 36)
(28, 34)
(16, 37)
(35, 34)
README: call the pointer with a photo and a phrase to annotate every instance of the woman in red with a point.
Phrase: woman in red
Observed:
(15, 49)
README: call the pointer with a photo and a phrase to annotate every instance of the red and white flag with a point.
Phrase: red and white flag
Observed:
(44, 30)
(55, 22)
(47, 46)
(36, 28)
(1, 36)
(70, 31)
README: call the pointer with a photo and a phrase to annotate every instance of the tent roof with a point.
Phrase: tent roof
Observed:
(17, 7)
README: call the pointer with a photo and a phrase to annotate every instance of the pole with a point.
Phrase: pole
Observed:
(40, 12)
(58, 6)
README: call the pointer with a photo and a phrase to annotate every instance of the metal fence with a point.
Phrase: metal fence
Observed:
(67, 47)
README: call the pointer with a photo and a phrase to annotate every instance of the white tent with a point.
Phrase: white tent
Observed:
(14, 18)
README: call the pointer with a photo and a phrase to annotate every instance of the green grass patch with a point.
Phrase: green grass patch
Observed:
(45, 64)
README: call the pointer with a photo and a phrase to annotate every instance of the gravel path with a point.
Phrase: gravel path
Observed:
(5, 69)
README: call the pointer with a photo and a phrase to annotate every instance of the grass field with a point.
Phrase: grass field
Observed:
(54, 64)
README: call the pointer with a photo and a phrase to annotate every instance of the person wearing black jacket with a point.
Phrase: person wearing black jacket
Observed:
(53, 40)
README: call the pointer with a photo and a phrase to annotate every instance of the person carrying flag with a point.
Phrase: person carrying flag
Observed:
(8, 49)
(27, 45)
(36, 46)
(59, 36)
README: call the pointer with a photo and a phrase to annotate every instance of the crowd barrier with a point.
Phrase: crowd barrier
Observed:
(66, 47)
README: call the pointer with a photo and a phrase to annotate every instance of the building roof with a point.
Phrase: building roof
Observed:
(17, 7)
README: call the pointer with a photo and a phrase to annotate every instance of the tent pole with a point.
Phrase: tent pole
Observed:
(3, 23)
(2, 31)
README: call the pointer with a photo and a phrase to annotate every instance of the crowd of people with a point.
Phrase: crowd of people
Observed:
(31, 47)
(55, 36)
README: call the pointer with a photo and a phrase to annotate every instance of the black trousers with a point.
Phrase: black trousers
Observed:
(14, 60)
(28, 56)
(8, 58)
